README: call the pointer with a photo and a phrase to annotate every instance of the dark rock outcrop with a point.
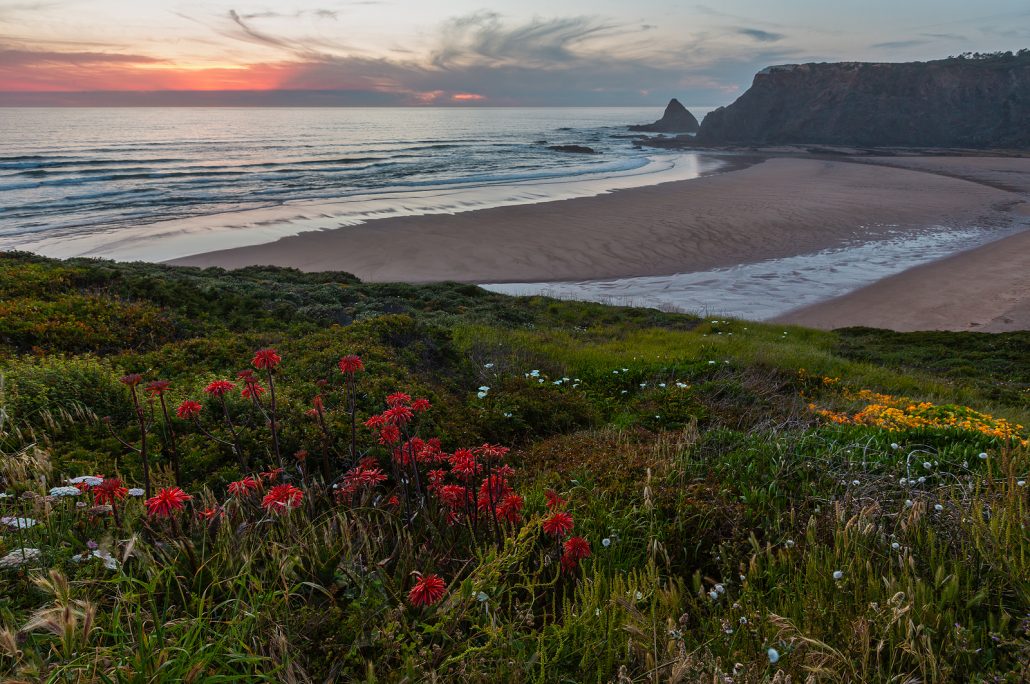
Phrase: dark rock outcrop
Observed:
(677, 119)
(574, 149)
(955, 102)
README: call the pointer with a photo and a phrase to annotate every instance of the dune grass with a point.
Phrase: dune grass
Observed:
(736, 532)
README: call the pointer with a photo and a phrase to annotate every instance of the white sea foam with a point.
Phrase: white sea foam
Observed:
(768, 288)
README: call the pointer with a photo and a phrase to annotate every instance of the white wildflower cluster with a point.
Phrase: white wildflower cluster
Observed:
(91, 480)
(16, 523)
(19, 557)
(65, 491)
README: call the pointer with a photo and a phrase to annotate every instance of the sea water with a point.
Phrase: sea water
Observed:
(160, 183)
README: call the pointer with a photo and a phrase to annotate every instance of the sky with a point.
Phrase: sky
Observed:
(462, 52)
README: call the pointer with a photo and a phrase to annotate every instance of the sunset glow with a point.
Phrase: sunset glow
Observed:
(460, 52)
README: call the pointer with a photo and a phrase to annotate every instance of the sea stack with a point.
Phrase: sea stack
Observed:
(677, 119)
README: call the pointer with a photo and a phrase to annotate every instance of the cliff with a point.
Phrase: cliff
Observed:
(955, 102)
(676, 119)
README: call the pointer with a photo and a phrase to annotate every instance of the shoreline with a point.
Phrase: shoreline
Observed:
(984, 289)
(778, 207)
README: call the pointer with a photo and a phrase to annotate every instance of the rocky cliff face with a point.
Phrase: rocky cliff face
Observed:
(677, 119)
(947, 103)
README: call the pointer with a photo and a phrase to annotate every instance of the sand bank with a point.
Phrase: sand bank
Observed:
(986, 289)
(777, 208)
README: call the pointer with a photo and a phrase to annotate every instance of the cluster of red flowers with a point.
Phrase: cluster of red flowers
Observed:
(109, 492)
(166, 502)
(252, 388)
(361, 477)
(559, 524)
(428, 589)
(282, 498)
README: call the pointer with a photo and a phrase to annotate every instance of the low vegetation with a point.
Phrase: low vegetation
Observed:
(264, 475)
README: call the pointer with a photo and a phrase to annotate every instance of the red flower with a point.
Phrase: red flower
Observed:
(553, 500)
(492, 491)
(300, 454)
(282, 498)
(266, 359)
(244, 486)
(428, 589)
(559, 524)
(492, 452)
(131, 380)
(157, 388)
(375, 422)
(351, 364)
(219, 388)
(577, 548)
(463, 463)
(211, 513)
(109, 491)
(398, 415)
(252, 390)
(393, 501)
(453, 496)
(188, 410)
(421, 405)
(389, 434)
(398, 399)
(166, 502)
(271, 475)
(510, 508)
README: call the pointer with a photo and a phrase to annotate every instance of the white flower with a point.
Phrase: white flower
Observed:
(855, 482)
(643, 384)
(895, 445)
(790, 543)
(938, 507)
(774, 655)
(484, 388)
(921, 480)
(908, 503)
(895, 546)
(902, 482)
(639, 595)
(983, 455)
(18, 557)
(615, 372)
(1020, 483)
(110, 562)
(625, 370)
(488, 365)
(927, 465)
(482, 597)
(681, 385)
(711, 363)
(17, 523)
(507, 414)
(606, 542)
(5, 495)
(743, 620)
(65, 491)
(91, 480)
(721, 589)
(965, 464)
(837, 574)
(136, 491)
(534, 373)
(714, 595)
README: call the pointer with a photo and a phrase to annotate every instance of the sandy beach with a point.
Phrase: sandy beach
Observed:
(779, 207)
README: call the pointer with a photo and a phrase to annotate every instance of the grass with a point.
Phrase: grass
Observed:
(736, 534)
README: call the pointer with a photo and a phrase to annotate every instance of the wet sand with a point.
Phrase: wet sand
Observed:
(986, 289)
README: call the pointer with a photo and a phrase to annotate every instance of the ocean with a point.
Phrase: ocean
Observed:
(156, 184)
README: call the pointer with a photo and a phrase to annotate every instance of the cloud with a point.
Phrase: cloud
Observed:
(249, 34)
(484, 37)
(898, 44)
(760, 35)
(22, 58)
